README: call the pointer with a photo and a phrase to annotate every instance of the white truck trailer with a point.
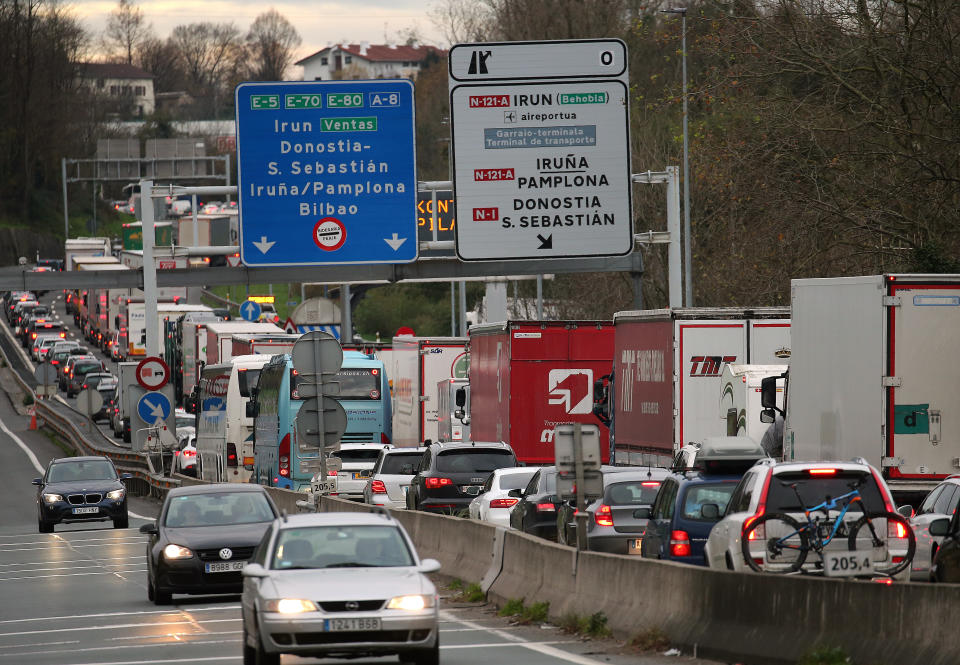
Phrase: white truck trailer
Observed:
(874, 373)
(740, 403)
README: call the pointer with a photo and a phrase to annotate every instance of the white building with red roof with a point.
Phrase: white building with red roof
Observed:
(367, 61)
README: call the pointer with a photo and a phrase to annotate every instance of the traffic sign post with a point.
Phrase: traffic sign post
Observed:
(250, 310)
(326, 172)
(541, 149)
(89, 401)
(577, 456)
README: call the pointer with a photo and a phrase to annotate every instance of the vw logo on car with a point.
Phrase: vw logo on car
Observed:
(226, 553)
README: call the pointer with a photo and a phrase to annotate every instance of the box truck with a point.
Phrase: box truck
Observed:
(418, 364)
(874, 374)
(180, 350)
(84, 247)
(527, 377)
(245, 344)
(453, 424)
(667, 369)
(740, 398)
(216, 339)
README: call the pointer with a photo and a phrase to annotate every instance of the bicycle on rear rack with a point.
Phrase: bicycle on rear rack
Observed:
(877, 543)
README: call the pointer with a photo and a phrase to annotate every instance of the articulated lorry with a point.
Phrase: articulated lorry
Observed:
(667, 369)
(527, 377)
(874, 373)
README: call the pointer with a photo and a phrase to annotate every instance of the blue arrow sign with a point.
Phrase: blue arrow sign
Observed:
(153, 408)
(326, 172)
(250, 310)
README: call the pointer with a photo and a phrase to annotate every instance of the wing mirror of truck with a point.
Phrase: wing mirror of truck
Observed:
(768, 394)
(768, 416)
(251, 409)
(461, 399)
(939, 527)
(242, 383)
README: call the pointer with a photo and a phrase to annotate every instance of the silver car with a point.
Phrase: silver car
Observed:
(357, 460)
(391, 475)
(339, 585)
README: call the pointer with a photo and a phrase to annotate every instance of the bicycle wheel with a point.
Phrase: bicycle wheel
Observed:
(774, 543)
(892, 544)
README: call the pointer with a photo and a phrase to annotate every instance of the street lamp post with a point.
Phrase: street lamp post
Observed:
(687, 251)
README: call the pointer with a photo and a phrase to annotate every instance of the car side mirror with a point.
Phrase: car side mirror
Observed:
(906, 511)
(126, 476)
(710, 511)
(429, 566)
(940, 527)
(517, 494)
(254, 570)
(150, 528)
(37, 481)
(642, 513)
(768, 416)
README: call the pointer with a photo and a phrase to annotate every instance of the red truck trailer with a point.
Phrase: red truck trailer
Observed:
(527, 377)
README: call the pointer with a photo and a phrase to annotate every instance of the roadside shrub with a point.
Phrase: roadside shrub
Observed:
(596, 626)
(512, 608)
(455, 585)
(28, 399)
(826, 656)
(535, 613)
(652, 639)
(474, 594)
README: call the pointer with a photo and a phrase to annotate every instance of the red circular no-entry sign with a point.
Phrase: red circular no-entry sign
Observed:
(152, 373)
(329, 234)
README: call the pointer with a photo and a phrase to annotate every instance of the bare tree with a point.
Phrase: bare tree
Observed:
(270, 44)
(162, 59)
(209, 53)
(462, 20)
(126, 31)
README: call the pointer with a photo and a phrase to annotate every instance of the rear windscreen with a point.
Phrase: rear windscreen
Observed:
(358, 456)
(699, 495)
(401, 464)
(86, 369)
(516, 481)
(816, 489)
(631, 493)
(474, 461)
(353, 384)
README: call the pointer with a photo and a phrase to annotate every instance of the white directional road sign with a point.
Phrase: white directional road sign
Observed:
(327, 172)
(541, 149)
(250, 310)
(153, 408)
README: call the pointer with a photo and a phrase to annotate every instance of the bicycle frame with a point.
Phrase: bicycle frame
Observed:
(818, 543)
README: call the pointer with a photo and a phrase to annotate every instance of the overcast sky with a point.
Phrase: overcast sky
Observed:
(318, 21)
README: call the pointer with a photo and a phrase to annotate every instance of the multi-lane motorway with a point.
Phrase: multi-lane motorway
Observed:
(78, 596)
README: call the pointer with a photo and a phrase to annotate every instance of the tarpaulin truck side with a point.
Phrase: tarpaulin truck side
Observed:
(667, 368)
(875, 373)
(527, 377)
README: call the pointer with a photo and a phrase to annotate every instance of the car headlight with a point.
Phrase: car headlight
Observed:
(412, 603)
(172, 551)
(289, 606)
(116, 495)
(52, 498)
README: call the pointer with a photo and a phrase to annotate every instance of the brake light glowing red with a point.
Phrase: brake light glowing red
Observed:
(603, 516)
(896, 530)
(821, 472)
(546, 508)
(434, 483)
(503, 503)
(377, 487)
(384, 438)
(679, 543)
(650, 483)
(284, 453)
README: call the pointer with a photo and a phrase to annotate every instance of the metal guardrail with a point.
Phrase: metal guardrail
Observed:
(226, 302)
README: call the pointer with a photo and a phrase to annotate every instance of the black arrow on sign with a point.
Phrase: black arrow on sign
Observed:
(545, 243)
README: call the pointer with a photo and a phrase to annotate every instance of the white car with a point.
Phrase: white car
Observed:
(941, 503)
(494, 502)
(185, 454)
(357, 460)
(339, 584)
(391, 475)
(770, 489)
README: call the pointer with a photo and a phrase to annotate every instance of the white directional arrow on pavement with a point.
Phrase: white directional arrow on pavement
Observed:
(395, 242)
(264, 246)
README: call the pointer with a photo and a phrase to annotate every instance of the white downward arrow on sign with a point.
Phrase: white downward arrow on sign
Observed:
(395, 242)
(263, 245)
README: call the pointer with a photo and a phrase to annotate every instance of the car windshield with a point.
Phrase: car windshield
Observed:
(813, 490)
(357, 455)
(218, 508)
(633, 493)
(400, 464)
(65, 472)
(516, 481)
(701, 494)
(360, 546)
(474, 461)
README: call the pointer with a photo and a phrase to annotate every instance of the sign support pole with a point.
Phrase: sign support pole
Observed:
(318, 369)
(151, 318)
(581, 515)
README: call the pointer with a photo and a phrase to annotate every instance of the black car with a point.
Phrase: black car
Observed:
(946, 561)
(204, 537)
(81, 489)
(450, 475)
(536, 511)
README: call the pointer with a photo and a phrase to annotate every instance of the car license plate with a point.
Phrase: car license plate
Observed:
(847, 564)
(634, 546)
(86, 511)
(472, 490)
(342, 625)
(224, 566)
(357, 475)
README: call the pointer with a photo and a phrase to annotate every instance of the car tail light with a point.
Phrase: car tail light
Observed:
(679, 543)
(384, 438)
(377, 487)
(898, 559)
(434, 483)
(331, 472)
(822, 472)
(503, 503)
(231, 454)
(896, 529)
(546, 508)
(603, 516)
(285, 456)
(651, 483)
(761, 506)
(189, 453)
(33, 335)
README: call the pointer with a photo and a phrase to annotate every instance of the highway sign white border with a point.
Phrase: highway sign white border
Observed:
(557, 42)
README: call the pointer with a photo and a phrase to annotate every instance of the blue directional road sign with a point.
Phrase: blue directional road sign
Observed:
(250, 310)
(326, 172)
(153, 408)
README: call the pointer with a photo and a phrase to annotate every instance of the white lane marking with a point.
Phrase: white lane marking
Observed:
(139, 646)
(72, 561)
(147, 637)
(104, 615)
(474, 630)
(52, 576)
(523, 644)
(66, 544)
(79, 539)
(33, 458)
(540, 647)
(46, 570)
(117, 626)
(46, 644)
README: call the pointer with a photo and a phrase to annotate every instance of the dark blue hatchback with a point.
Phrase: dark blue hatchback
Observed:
(686, 508)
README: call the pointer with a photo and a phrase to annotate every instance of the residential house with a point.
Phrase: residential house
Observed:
(366, 61)
(128, 88)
